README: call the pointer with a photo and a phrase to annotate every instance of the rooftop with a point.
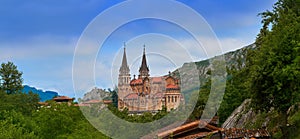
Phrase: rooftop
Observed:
(63, 98)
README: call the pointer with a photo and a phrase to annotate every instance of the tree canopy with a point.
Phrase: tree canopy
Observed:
(11, 79)
(275, 65)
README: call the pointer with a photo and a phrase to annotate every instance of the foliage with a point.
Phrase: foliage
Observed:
(11, 79)
(14, 125)
(236, 91)
(142, 118)
(294, 127)
(114, 96)
(201, 101)
(23, 103)
(274, 78)
(68, 119)
(53, 121)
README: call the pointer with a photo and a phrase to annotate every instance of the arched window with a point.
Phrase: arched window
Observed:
(168, 98)
(172, 99)
(175, 98)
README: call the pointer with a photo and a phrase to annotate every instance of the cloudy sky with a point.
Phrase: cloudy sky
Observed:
(41, 37)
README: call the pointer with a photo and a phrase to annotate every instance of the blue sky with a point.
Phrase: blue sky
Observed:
(40, 37)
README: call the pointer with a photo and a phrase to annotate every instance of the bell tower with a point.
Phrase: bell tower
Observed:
(124, 78)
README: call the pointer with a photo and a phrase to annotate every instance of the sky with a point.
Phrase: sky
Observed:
(43, 37)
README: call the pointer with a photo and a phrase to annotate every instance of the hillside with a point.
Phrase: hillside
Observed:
(232, 59)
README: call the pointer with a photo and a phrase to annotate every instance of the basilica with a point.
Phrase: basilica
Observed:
(145, 93)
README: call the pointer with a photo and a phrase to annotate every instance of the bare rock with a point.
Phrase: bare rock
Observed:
(240, 116)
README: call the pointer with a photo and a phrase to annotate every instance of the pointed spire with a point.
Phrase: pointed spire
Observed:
(124, 69)
(144, 70)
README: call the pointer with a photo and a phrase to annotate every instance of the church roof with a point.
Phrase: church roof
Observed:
(157, 79)
(136, 81)
(131, 96)
(171, 86)
(144, 66)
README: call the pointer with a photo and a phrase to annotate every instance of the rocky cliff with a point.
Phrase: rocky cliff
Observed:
(240, 116)
(96, 94)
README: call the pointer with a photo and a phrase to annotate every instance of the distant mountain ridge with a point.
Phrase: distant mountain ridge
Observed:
(232, 59)
(44, 95)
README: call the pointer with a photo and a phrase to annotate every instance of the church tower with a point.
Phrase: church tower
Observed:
(124, 78)
(144, 70)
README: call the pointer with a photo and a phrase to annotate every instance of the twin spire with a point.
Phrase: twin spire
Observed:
(143, 71)
(124, 69)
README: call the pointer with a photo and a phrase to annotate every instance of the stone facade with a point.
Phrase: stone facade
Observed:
(145, 93)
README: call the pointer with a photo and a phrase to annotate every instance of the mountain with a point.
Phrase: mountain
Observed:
(233, 59)
(44, 96)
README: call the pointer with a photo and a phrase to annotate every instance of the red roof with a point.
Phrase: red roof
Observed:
(63, 98)
(136, 81)
(156, 79)
(187, 127)
(131, 96)
(93, 101)
(171, 86)
(107, 101)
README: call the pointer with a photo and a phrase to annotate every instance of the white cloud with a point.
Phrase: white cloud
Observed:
(46, 61)
(37, 47)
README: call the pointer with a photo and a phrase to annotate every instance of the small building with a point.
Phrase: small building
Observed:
(61, 99)
(192, 130)
(200, 129)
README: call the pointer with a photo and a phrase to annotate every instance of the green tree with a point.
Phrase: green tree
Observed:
(275, 64)
(14, 125)
(236, 92)
(24, 103)
(11, 79)
(114, 96)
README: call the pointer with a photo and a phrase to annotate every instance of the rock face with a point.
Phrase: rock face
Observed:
(95, 94)
(240, 116)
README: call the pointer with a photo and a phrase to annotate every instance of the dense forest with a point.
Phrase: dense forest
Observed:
(270, 77)
(22, 117)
